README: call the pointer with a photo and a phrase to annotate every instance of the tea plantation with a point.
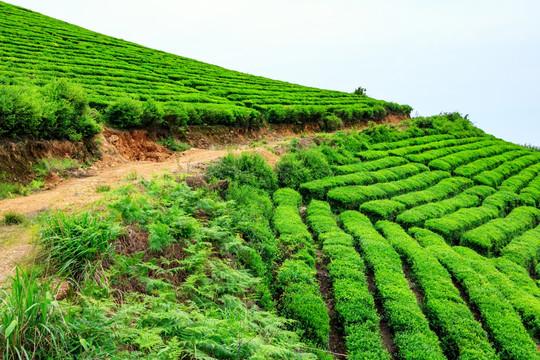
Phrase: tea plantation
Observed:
(415, 241)
(134, 86)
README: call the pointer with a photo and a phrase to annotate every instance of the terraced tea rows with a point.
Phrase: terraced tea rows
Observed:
(35, 49)
(448, 231)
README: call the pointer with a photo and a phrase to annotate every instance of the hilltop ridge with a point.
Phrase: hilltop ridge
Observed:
(36, 49)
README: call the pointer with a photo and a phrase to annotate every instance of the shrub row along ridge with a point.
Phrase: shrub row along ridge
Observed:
(453, 226)
(509, 336)
(488, 239)
(354, 303)
(318, 189)
(462, 337)
(412, 335)
(351, 197)
(523, 302)
(469, 198)
(296, 280)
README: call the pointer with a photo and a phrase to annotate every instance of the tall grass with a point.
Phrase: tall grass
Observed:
(72, 243)
(31, 323)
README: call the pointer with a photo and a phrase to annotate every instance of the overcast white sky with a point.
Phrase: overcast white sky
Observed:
(478, 57)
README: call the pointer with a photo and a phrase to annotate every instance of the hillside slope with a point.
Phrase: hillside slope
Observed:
(37, 49)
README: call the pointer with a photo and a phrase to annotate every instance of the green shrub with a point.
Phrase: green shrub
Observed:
(153, 114)
(246, 169)
(412, 334)
(125, 113)
(331, 122)
(172, 144)
(305, 165)
(20, 111)
(67, 114)
(524, 250)
(448, 313)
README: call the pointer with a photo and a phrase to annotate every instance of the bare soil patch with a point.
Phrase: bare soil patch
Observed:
(387, 336)
(336, 341)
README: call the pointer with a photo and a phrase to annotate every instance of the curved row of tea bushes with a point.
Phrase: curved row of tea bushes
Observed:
(462, 337)
(411, 142)
(384, 163)
(509, 336)
(453, 226)
(524, 250)
(517, 182)
(451, 162)
(497, 176)
(416, 149)
(296, 280)
(471, 197)
(412, 335)
(351, 197)
(317, 189)
(524, 303)
(385, 209)
(490, 238)
(370, 155)
(517, 274)
(445, 188)
(488, 163)
(428, 156)
(531, 193)
(354, 303)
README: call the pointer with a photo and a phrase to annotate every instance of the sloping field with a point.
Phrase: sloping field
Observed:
(38, 49)
(453, 222)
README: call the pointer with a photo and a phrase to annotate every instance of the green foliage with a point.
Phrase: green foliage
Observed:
(510, 339)
(331, 122)
(491, 237)
(31, 321)
(288, 197)
(300, 167)
(350, 197)
(382, 209)
(71, 243)
(524, 250)
(191, 92)
(173, 145)
(419, 214)
(246, 169)
(153, 114)
(354, 305)
(460, 333)
(58, 110)
(413, 337)
(125, 113)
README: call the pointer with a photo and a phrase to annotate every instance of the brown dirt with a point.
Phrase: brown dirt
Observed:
(386, 333)
(412, 285)
(336, 342)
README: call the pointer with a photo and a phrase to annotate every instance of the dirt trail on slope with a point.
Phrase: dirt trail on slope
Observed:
(16, 243)
(128, 155)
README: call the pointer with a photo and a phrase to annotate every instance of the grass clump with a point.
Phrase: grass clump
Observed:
(172, 144)
(31, 323)
(103, 188)
(72, 243)
(13, 218)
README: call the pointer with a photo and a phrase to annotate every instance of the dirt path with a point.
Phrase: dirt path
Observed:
(16, 242)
